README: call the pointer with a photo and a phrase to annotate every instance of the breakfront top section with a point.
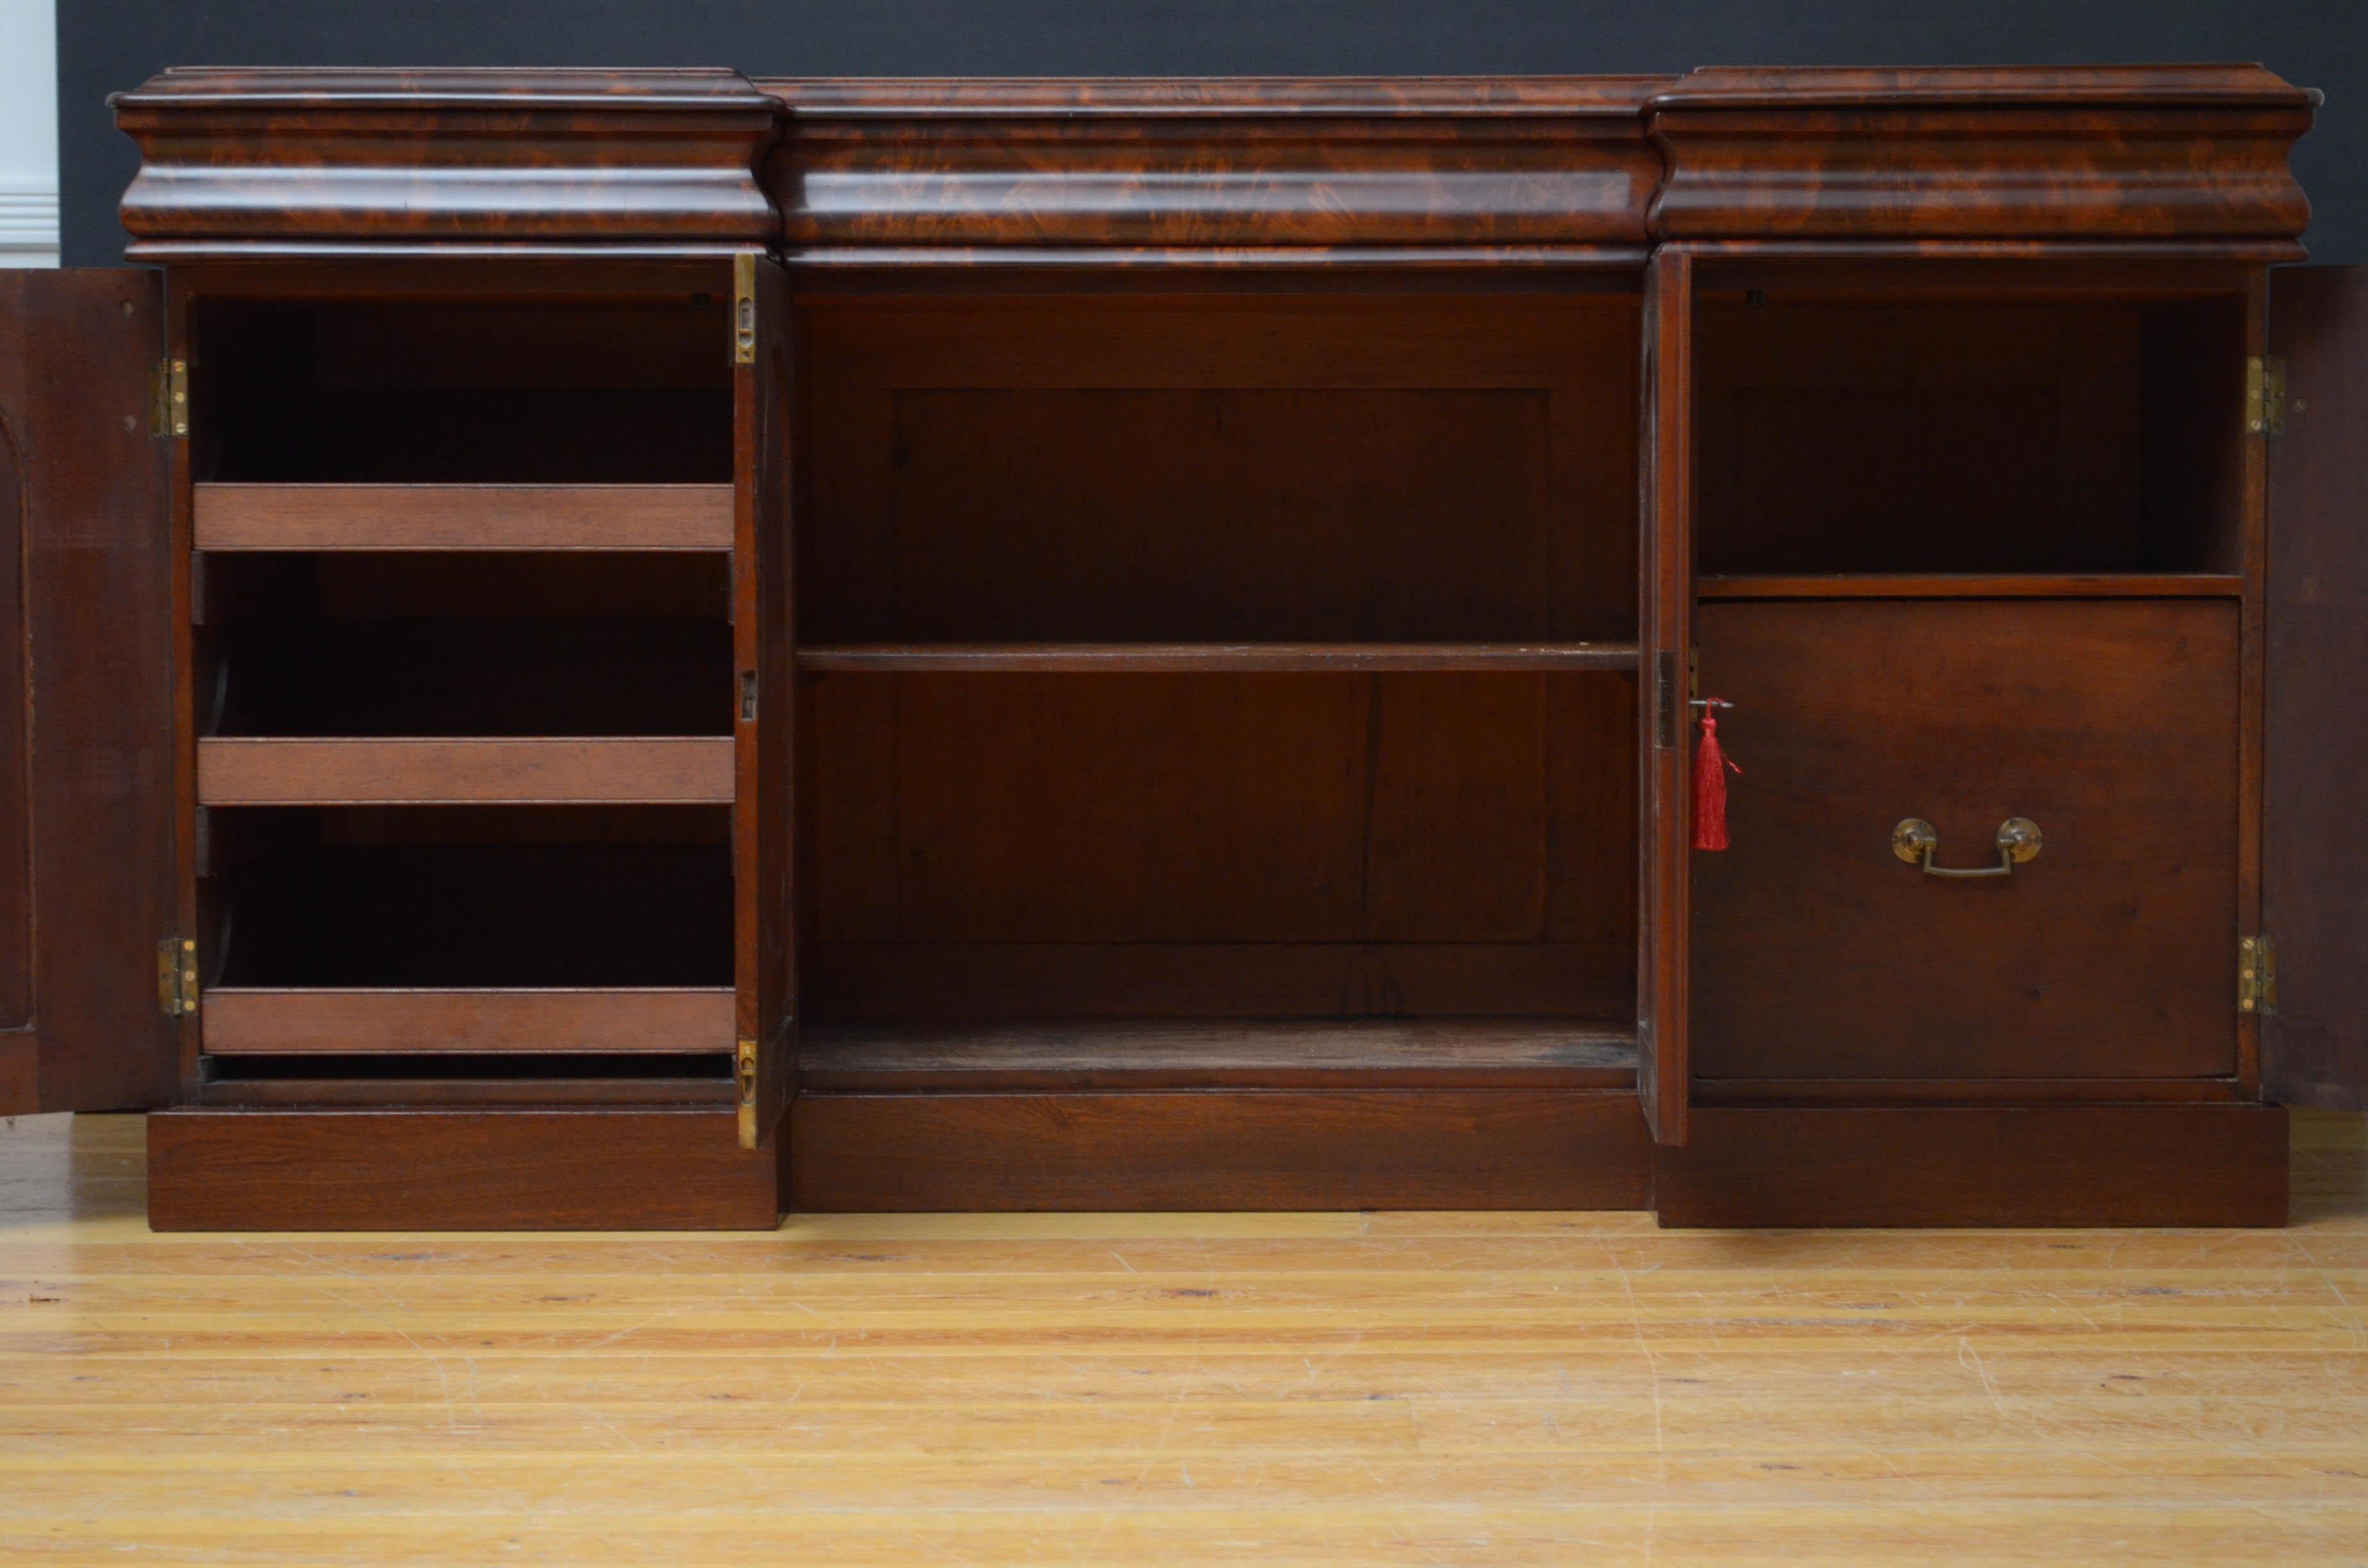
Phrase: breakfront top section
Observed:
(271, 162)
(2104, 153)
(1536, 161)
(249, 164)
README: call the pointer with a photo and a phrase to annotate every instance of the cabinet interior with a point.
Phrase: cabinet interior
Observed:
(376, 643)
(1154, 468)
(1843, 431)
(1056, 867)
(426, 389)
(1319, 805)
(468, 897)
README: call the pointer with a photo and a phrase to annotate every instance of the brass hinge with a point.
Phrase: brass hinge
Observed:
(168, 398)
(745, 1073)
(176, 976)
(2257, 974)
(2265, 396)
(744, 308)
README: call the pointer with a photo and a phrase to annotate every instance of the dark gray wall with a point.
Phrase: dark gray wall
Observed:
(105, 45)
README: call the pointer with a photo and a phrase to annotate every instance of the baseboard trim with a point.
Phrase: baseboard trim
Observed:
(1282, 1149)
(1982, 1166)
(442, 1170)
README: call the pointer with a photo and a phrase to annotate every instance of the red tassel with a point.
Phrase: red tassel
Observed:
(1711, 768)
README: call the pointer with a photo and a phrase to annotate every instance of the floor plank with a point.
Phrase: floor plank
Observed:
(1146, 1388)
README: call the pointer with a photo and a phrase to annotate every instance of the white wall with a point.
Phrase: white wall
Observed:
(29, 134)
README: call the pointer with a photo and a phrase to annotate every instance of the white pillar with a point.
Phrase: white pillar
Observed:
(29, 134)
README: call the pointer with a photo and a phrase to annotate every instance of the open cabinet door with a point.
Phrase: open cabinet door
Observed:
(765, 815)
(2315, 854)
(1665, 636)
(86, 813)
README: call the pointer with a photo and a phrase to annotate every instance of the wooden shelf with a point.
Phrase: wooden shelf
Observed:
(241, 1021)
(463, 516)
(986, 657)
(1190, 1053)
(673, 770)
(1976, 585)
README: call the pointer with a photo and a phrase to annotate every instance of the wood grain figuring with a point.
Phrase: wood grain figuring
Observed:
(2129, 153)
(1370, 1389)
(257, 772)
(1238, 657)
(264, 162)
(254, 1022)
(2111, 723)
(463, 516)
(272, 164)
(1246, 1054)
(454, 1170)
(1338, 160)
(1271, 1150)
(1978, 1166)
(2315, 1048)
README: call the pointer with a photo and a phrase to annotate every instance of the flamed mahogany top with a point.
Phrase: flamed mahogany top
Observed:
(1148, 98)
(362, 162)
(300, 162)
(2112, 152)
(1936, 87)
(308, 87)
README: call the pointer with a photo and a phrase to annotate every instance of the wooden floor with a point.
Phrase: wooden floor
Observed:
(1462, 1388)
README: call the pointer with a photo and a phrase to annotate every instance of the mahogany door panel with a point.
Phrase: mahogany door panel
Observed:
(765, 810)
(16, 809)
(2112, 725)
(2315, 850)
(1664, 610)
(79, 346)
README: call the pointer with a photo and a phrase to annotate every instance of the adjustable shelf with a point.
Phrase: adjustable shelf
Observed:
(278, 771)
(1232, 657)
(1194, 1053)
(389, 1022)
(1974, 585)
(463, 516)
(362, 1021)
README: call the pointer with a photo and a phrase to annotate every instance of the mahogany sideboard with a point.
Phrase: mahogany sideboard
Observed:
(650, 649)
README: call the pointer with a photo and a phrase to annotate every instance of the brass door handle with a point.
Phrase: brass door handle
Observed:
(1915, 841)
